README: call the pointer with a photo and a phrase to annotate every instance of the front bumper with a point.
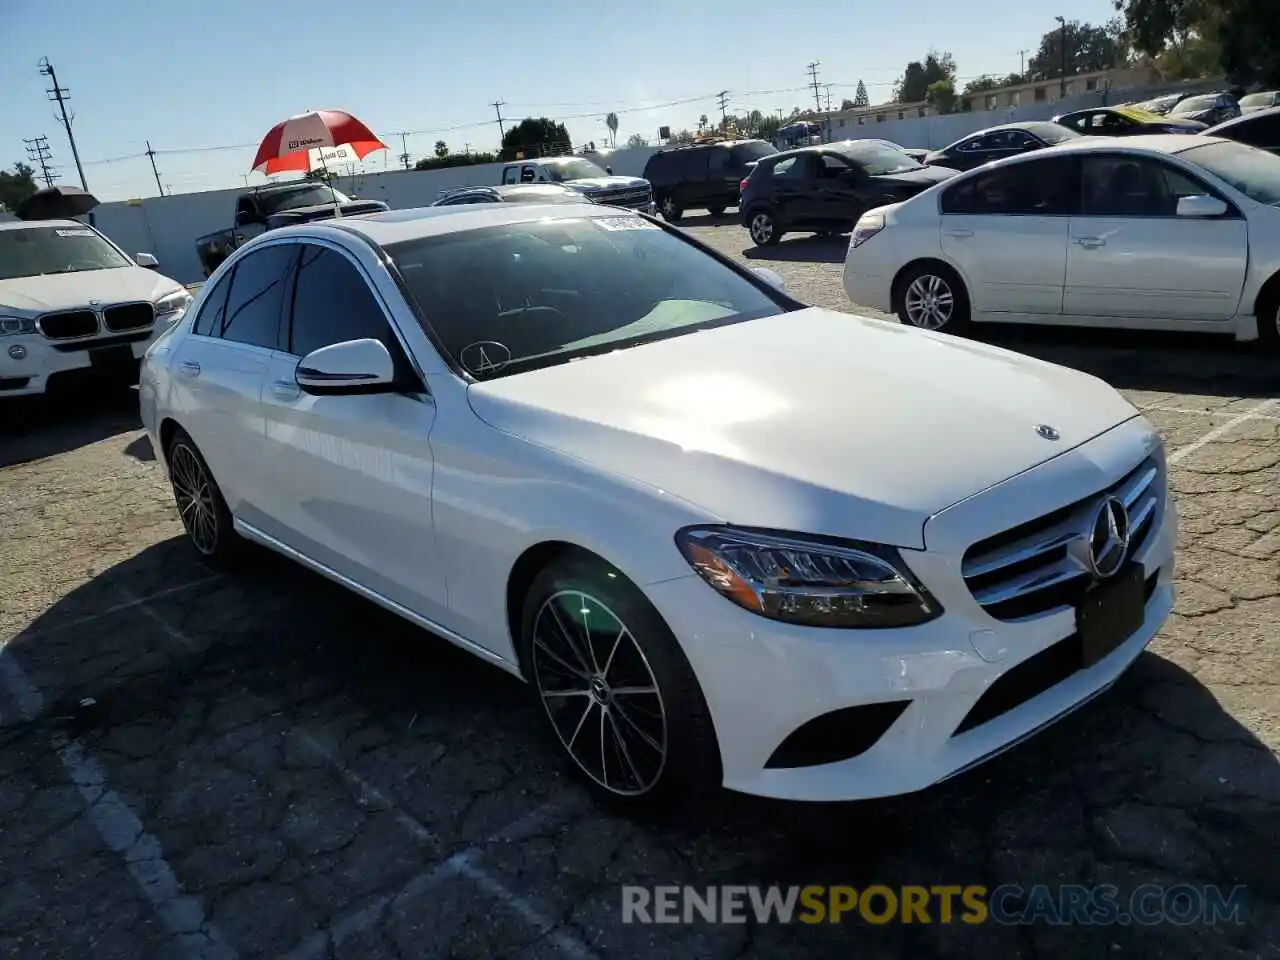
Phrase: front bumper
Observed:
(36, 361)
(764, 681)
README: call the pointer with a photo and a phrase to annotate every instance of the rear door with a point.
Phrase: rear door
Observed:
(219, 371)
(794, 184)
(1130, 255)
(1006, 230)
(839, 195)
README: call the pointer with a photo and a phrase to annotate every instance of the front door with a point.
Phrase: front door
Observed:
(354, 472)
(1006, 230)
(1130, 255)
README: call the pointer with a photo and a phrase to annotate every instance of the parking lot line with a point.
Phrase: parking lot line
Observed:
(461, 864)
(1255, 412)
(122, 831)
(1188, 411)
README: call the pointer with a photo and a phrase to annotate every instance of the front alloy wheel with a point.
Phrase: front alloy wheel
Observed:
(670, 211)
(929, 302)
(193, 493)
(600, 692)
(764, 229)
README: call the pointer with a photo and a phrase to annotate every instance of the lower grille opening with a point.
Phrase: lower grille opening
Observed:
(839, 735)
(73, 323)
(129, 316)
(1033, 676)
(13, 383)
(80, 346)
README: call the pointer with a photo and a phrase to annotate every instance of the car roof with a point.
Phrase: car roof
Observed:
(395, 226)
(1245, 118)
(30, 224)
(1170, 143)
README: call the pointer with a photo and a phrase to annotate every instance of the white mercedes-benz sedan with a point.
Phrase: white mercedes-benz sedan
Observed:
(1169, 232)
(703, 521)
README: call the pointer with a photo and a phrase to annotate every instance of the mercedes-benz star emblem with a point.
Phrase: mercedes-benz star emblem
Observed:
(1108, 537)
(1047, 432)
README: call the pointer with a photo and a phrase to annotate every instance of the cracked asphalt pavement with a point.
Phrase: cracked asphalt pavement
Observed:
(263, 765)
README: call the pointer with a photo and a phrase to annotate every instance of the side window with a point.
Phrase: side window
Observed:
(332, 303)
(958, 199)
(528, 174)
(510, 175)
(787, 168)
(1032, 189)
(1131, 186)
(209, 322)
(1263, 132)
(972, 145)
(257, 295)
(717, 161)
(696, 164)
(832, 167)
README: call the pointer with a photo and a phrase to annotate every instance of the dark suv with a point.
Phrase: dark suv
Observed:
(702, 175)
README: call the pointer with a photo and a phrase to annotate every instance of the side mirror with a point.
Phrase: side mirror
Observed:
(1201, 207)
(351, 367)
(146, 260)
(770, 277)
(609, 170)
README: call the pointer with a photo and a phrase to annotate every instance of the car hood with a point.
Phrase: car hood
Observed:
(67, 291)
(597, 184)
(924, 177)
(811, 421)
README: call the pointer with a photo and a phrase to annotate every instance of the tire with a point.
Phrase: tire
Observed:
(668, 753)
(716, 211)
(669, 209)
(201, 506)
(764, 228)
(930, 296)
(1268, 315)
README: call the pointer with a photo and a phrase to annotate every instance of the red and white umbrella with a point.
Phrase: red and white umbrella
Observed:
(304, 143)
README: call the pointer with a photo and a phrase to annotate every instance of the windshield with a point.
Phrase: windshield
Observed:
(752, 150)
(1254, 172)
(878, 159)
(35, 251)
(1052, 133)
(503, 300)
(309, 196)
(573, 169)
(1257, 100)
(1195, 104)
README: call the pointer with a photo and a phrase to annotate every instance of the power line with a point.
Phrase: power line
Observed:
(813, 82)
(151, 155)
(38, 153)
(61, 95)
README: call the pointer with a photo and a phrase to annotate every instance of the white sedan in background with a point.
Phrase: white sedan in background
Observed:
(582, 446)
(1162, 232)
(71, 300)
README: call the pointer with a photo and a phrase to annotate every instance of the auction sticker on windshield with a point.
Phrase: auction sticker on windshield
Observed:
(624, 223)
(75, 233)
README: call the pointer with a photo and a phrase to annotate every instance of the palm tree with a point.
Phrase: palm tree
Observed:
(611, 121)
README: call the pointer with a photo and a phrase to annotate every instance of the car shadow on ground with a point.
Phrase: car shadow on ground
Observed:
(727, 219)
(32, 428)
(1154, 782)
(1183, 363)
(805, 248)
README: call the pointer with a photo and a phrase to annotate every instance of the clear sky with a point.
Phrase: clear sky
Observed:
(193, 74)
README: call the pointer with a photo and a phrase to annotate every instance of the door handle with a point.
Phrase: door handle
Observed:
(958, 233)
(190, 368)
(284, 390)
(1091, 243)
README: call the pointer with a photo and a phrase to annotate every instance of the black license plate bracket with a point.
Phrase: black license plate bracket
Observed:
(117, 356)
(1111, 613)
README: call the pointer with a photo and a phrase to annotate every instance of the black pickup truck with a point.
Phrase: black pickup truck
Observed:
(278, 205)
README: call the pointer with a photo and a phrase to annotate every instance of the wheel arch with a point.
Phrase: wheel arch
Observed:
(1268, 296)
(897, 289)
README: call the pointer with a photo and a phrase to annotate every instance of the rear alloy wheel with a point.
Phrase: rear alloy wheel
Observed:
(764, 229)
(621, 698)
(669, 209)
(1269, 322)
(201, 507)
(933, 299)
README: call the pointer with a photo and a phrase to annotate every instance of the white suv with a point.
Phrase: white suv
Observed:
(70, 299)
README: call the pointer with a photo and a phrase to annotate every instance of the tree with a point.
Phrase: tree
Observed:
(860, 98)
(1153, 26)
(454, 160)
(981, 85)
(767, 128)
(913, 85)
(636, 140)
(1089, 49)
(611, 121)
(442, 149)
(536, 137)
(1240, 37)
(703, 123)
(941, 96)
(16, 186)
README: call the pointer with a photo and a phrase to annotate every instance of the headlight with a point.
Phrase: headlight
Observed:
(13, 326)
(867, 227)
(171, 308)
(808, 581)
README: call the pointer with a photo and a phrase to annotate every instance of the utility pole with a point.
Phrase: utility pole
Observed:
(404, 145)
(1062, 81)
(502, 131)
(813, 82)
(1022, 64)
(38, 153)
(151, 155)
(723, 97)
(61, 95)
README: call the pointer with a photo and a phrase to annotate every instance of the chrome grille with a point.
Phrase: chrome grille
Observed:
(634, 198)
(129, 316)
(1042, 565)
(69, 324)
